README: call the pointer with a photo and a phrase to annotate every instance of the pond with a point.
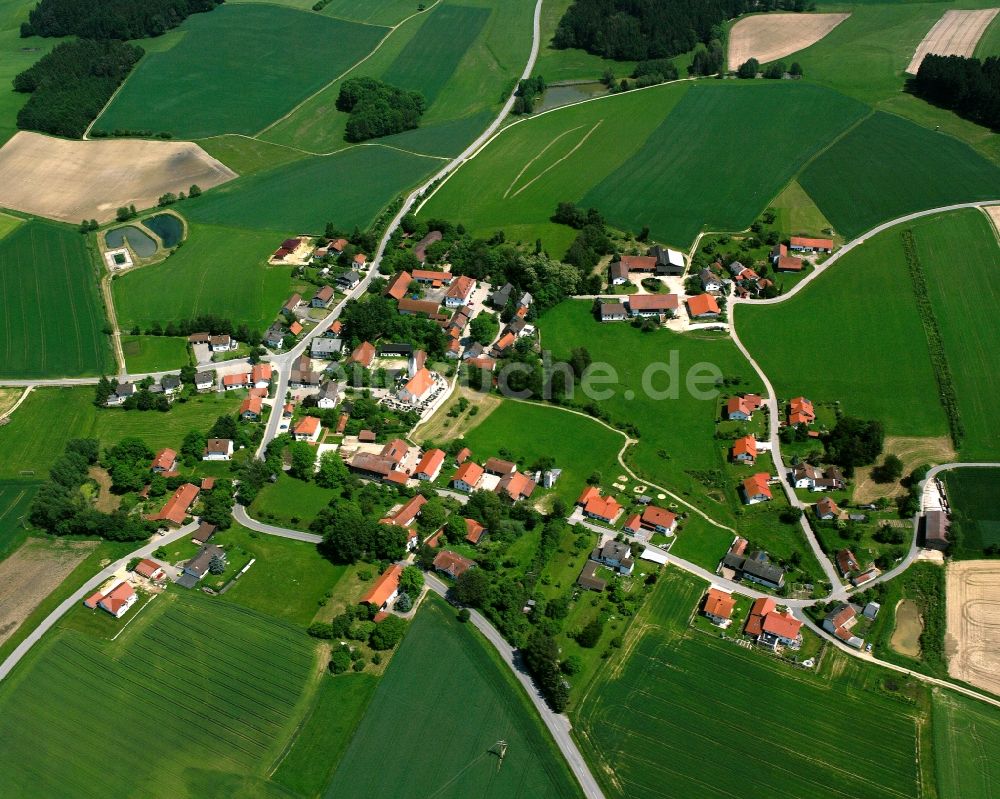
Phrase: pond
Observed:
(556, 96)
(167, 226)
(909, 625)
(142, 243)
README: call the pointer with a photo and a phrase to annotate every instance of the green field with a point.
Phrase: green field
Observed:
(959, 255)
(290, 502)
(966, 740)
(842, 304)
(684, 713)
(16, 55)
(571, 64)
(8, 224)
(667, 168)
(237, 70)
(374, 12)
(348, 188)
(219, 270)
(51, 316)
(580, 446)
(447, 700)
(196, 699)
(154, 353)
(690, 175)
(15, 499)
(39, 429)
(677, 443)
(888, 167)
(989, 44)
(973, 494)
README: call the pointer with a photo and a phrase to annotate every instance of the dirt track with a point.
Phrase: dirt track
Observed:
(972, 640)
(768, 37)
(956, 33)
(31, 574)
(74, 180)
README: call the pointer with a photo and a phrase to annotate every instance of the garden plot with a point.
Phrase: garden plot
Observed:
(972, 640)
(956, 33)
(74, 180)
(768, 37)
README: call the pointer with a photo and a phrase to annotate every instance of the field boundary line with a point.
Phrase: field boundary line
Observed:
(111, 99)
(134, 615)
(550, 167)
(994, 223)
(349, 70)
(537, 156)
(7, 413)
(399, 150)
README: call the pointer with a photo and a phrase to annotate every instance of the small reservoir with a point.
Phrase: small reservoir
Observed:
(168, 227)
(141, 243)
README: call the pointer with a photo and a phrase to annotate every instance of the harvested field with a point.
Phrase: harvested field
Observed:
(31, 574)
(768, 37)
(956, 33)
(993, 212)
(74, 180)
(913, 452)
(972, 640)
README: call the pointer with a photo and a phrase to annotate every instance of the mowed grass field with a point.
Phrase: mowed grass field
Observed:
(966, 746)
(973, 494)
(677, 435)
(449, 700)
(887, 167)
(219, 270)
(677, 166)
(15, 499)
(960, 256)
(683, 713)
(39, 429)
(236, 71)
(154, 353)
(51, 315)
(697, 172)
(196, 700)
(865, 306)
(16, 55)
(580, 446)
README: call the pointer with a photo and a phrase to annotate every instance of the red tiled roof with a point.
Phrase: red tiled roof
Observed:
(658, 517)
(307, 426)
(782, 624)
(452, 563)
(516, 486)
(588, 494)
(397, 477)
(603, 507)
(803, 241)
(164, 460)
(653, 302)
(146, 568)
(505, 341)
(760, 608)
(363, 354)
(463, 455)
(295, 328)
(431, 462)
(633, 522)
(405, 515)
(419, 384)
(719, 603)
(747, 445)
(639, 263)
(234, 380)
(702, 304)
(431, 274)
(177, 506)
(461, 287)
(396, 449)
(469, 472)
(789, 263)
(384, 587)
(261, 372)
(473, 531)
(207, 483)
(251, 405)
(118, 596)
(757, 484)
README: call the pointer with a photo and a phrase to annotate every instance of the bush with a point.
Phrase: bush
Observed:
(590, 634)
(340, 661)
(464, 615)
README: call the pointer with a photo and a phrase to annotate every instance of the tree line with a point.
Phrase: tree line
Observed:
(110, 19)
(967, 86)
(70, 85)
(378, 109)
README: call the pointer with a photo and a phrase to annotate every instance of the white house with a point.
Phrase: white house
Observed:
(460, 292)
(222, 343)
(308, 429)
(218, 449)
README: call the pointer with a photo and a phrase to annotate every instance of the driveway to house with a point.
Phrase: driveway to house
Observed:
(88, 587)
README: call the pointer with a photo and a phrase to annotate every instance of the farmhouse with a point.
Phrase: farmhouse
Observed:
(756, 568)
(789, 263)
(218, 449)
(702, 306)
(435, 277)
(742, 408)
(117, 601)
(399, 285)
(846, 562)
(515, 486)
(595, 506)
(659, 520)
(800, 411)
(260, 375)
(755, 489)
(384, 590)
(499, 467)
(668, 262)
(322, 298)
(460, 292)
(232, 382)
(617, 273)
(452, 564)
(374, 467)
(649, 305)
(935, 526)
(745, 450)
(176, 508)
(196, 568)
(411, 307)
(363, 354)
(325, 348)
(474, 531)
(588, 577)
(803, 244)
(430, 465)
(638, 263)
(468, 476)
(612, 312)
(615, 555)
(329, 395)
(251, 409)
(719, 607)
(827, 510)
(709, 280)
(165, 461)
(308, 429)
(839, 621)
(149, 569)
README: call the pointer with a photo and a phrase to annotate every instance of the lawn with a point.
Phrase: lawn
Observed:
(959, 256)
(677, 446)
(865, 379)
(682, 173)
(237, 70)
(290, 502)
(214, 690)
(528, 432)
(690, 175)
(709, 705)
(51, 315)
(973, 494)
(348, 188)
(219, 270)
(15, 499)
(8, 224)
(154, 353)
(797, 213)
(467, 699)
(888, 167)
(305, 576)
(966, 741)
(39, 429)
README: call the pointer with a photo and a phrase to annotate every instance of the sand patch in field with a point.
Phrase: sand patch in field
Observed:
(33, 572)
(768, 37)
(972, 638)
(74, 180)
(909, 625)
(956, 33)
(993, 212)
